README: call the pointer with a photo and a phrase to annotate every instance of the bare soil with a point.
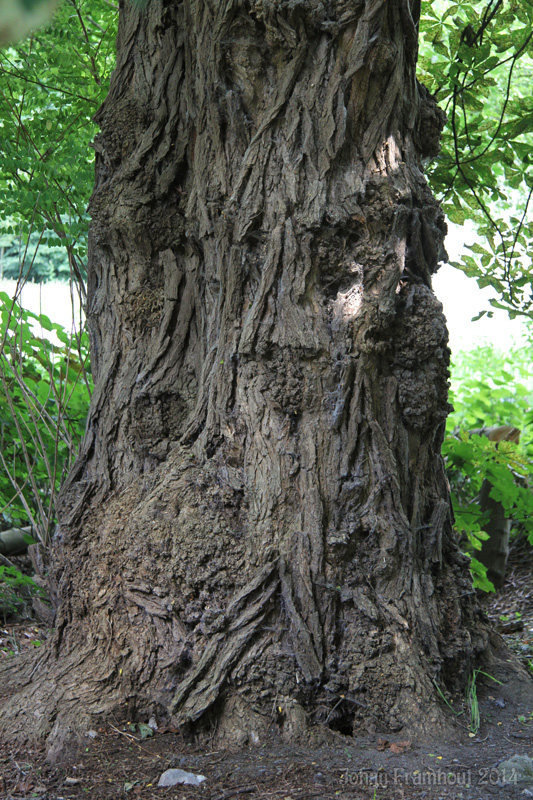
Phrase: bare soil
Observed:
(117, 764)
(115, 761)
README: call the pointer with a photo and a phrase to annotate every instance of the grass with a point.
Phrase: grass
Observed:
(472, 701)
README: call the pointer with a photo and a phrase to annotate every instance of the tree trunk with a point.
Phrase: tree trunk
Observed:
(495, 550)
(258, 527)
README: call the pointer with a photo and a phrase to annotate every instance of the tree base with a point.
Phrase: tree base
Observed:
(185, 622)
(49, 699)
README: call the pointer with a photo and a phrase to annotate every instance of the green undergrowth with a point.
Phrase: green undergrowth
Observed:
(45, 386)
(16, 591)
(490, 388)
(45, 389)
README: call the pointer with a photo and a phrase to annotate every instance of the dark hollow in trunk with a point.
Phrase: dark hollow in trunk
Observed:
(258, 528)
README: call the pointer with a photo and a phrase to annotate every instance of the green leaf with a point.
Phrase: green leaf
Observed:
(145, 731)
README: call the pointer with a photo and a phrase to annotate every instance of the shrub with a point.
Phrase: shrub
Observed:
(45, 387)
(489, 388)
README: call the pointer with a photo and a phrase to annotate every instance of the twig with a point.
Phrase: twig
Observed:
(134, 739)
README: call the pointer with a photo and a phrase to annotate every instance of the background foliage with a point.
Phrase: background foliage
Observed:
(51, 85)
(44, 395)
(490, 388)
(477, 59)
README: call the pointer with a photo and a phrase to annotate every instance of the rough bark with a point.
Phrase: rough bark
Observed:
(258, 529)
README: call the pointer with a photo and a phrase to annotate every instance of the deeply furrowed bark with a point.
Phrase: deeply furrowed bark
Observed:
(259, 517)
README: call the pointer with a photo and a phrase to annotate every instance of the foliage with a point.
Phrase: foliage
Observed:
(490, 387)
(51, 85)
(16, 589)
(44, 395)
(47, 263)
(477, 59)
(502, 397)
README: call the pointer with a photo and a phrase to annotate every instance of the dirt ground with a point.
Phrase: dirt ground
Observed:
(115, 764)
(116, 761)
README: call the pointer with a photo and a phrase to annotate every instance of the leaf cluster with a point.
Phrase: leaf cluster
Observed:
(477, 59)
